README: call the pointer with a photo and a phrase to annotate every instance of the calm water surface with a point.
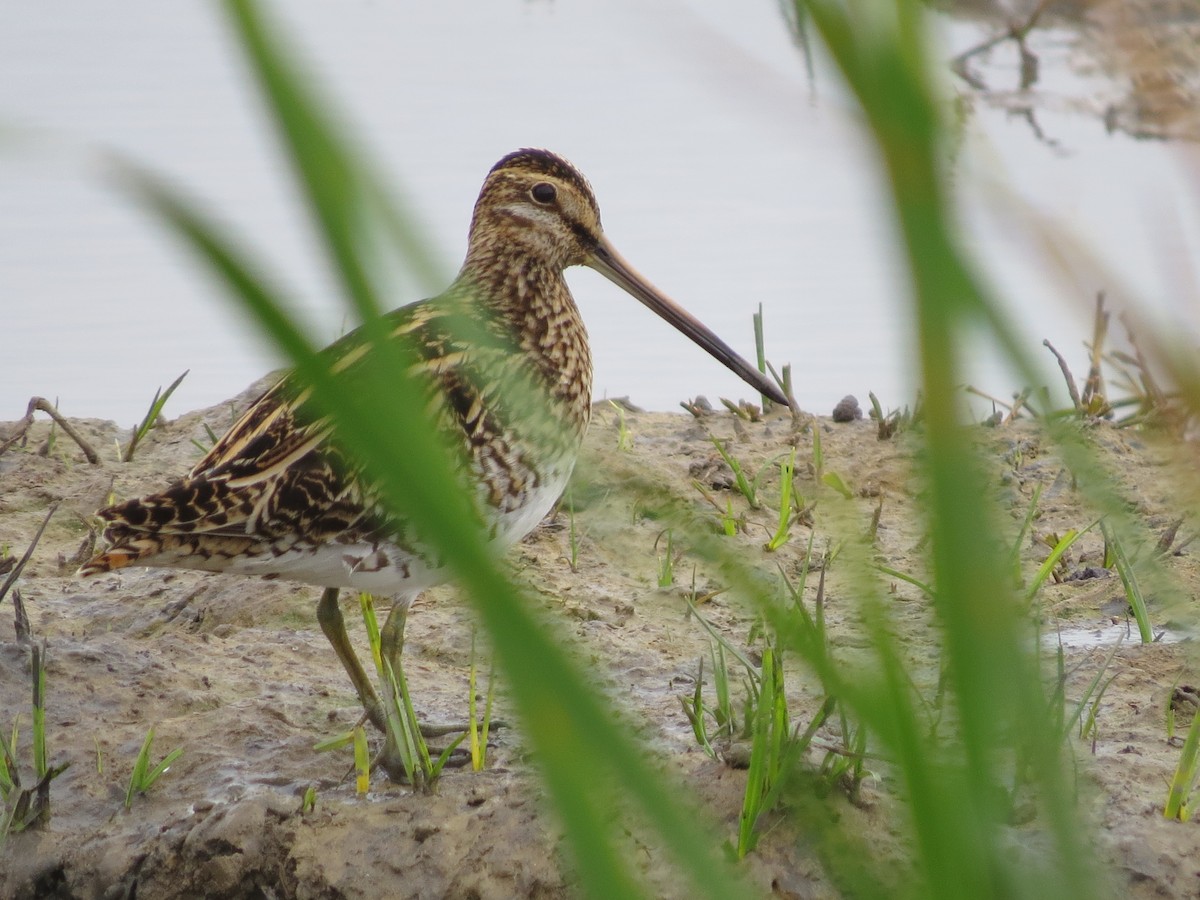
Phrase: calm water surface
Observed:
(724, 175)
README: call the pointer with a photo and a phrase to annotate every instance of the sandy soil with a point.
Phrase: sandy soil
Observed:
(237, 673)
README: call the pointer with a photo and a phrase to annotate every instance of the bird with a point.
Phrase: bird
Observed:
(503, 359)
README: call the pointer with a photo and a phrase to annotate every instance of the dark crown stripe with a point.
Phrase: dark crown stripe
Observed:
(543, 162)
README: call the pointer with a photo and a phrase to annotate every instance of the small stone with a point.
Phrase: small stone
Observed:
(847, 409)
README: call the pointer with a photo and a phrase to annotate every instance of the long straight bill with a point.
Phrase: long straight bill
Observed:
(609, 263)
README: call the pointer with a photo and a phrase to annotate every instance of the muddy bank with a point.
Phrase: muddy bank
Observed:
(237, 673)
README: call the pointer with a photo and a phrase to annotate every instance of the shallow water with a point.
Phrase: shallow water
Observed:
(724, 175)
(1109, 634)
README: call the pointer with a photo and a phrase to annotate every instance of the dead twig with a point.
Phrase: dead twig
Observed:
(1066, 370)
(1154, 392)
(40, 403)
(16, 570)
(20, 619)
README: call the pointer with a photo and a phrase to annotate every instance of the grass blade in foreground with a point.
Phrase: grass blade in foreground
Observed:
(576, 740)
(957, 814)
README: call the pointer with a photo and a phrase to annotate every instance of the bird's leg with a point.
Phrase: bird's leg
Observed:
(329, 614)
(391, 636)
(391, 640)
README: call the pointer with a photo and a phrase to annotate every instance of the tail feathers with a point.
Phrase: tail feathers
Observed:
(155, 530)
(212, 553)
(125, 552)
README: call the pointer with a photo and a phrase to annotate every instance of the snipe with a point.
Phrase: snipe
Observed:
(506, 363)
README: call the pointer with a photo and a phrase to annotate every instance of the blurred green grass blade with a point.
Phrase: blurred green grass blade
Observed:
(583, 755)
(342, 190)
(1179, 792)
(880, 49)
(1129, 580)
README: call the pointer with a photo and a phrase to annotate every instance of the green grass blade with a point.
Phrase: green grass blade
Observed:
(1184, 780)
(38, 665)
(1129, 579)
(140, 765)
(1062, 546)
(156, 407)
(362, 761)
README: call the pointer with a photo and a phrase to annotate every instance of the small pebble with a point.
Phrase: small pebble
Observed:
(847, 409)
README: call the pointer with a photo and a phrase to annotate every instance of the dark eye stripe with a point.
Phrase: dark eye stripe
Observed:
(543, 192)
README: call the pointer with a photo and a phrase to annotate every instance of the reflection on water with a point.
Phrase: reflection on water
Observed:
(726, 174)
(1135, 63)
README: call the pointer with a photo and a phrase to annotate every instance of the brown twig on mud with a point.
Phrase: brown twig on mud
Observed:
(1154, 393)
(40, 403)
(16, 570)
(20, 619)
(1066, 370)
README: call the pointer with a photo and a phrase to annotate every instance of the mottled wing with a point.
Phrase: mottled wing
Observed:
(274, 481)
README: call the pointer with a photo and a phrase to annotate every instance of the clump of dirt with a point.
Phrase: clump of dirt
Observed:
(237, 673)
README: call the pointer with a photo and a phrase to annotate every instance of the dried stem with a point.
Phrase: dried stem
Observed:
(16, 570)
(40, 403)
(1066, 370)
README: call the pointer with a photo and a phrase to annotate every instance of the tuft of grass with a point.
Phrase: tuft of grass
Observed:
(1114, 551)
(152, 416)
(624, 436)
(404, 729)
(783, 528)
(747, 487)
(729, 523)
(144, 776)
(22, 807)
(1059, 545)
(895, 421)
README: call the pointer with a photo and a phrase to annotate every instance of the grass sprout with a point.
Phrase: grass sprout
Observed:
(624, 436)
(151, 418)
(404, 729)
(573, 536)
(144, 776)
(210, 436)
(21, 807)
(729, 522)
(1058, 547)
(783, 528)
(1114, 548)
(748, 487)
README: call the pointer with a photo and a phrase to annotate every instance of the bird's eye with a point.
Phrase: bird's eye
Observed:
(543, 192)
